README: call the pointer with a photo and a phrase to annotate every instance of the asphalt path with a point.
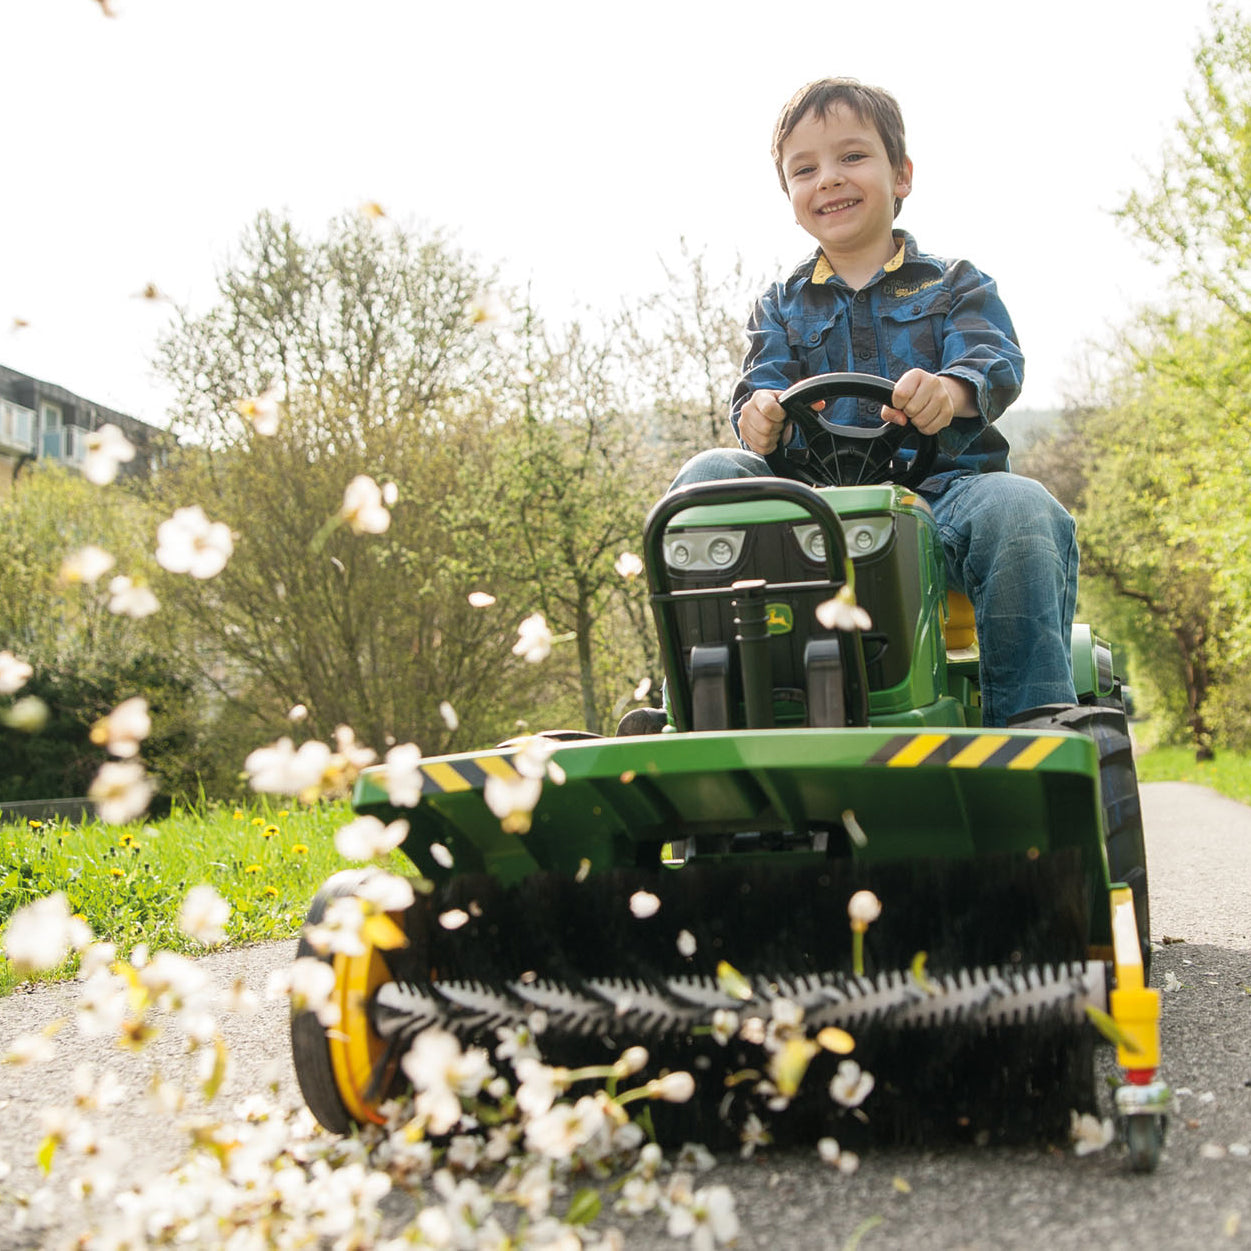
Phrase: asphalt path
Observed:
(1199, 851)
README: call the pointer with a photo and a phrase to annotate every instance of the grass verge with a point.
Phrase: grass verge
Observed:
(128, 882)
(1229, 773)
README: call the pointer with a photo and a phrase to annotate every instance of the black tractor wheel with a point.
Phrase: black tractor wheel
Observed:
(1118, 790)
(337, 1066)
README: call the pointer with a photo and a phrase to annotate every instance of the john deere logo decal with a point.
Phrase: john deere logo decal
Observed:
(781, 618)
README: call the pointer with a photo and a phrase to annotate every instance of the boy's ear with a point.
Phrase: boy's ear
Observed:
(903, 179)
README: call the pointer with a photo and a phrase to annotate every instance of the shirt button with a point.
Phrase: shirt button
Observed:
(916, 308)
(859, 297)
(815, 337)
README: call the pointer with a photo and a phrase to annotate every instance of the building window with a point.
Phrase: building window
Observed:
(51, 422)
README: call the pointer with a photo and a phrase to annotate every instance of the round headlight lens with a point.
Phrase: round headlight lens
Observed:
(721, 551)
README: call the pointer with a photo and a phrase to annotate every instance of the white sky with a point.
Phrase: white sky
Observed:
(571, 144)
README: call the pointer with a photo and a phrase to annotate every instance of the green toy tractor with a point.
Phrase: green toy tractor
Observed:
(799, 763)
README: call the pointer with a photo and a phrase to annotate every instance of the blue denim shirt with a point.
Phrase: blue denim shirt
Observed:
(918, 311)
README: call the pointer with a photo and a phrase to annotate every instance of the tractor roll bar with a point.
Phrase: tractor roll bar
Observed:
(724, 491)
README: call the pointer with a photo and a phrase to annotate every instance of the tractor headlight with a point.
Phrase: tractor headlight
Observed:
(864, 535)
(811, 542)
(704, 550)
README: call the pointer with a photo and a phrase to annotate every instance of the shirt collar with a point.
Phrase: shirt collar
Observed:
(823, 272)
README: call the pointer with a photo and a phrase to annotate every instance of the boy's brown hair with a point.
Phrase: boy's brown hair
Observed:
(872, 105)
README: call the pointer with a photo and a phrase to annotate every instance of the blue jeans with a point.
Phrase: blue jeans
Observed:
(1012, 549)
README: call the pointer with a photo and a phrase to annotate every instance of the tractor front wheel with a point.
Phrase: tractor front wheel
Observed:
(340, 1068)
(1118, 790)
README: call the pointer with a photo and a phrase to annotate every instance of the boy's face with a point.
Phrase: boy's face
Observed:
(842, 186)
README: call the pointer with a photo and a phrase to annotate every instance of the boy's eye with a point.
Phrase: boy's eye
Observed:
(854, 156)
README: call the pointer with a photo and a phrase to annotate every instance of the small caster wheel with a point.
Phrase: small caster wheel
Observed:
(1144, 1136)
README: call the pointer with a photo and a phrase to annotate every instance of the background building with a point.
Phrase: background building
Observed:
(41, 421)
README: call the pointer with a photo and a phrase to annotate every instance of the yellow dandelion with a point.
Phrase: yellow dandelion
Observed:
(126, 840)
(299, 850)
(34, 825)
(116, 872)
(238, 814)
(269, 831)
(283, 813)
(270, 890)
(258, 820)
(253, 868)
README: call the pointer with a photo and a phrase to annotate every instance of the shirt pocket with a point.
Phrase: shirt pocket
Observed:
(912, 331)
(818, 342)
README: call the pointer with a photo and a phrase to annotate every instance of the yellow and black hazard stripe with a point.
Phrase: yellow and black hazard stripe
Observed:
(443, 777)
(981, 751)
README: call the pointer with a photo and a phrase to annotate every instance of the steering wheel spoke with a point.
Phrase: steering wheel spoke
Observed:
(842, 455)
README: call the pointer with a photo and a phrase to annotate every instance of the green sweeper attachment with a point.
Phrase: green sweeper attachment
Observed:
(688, 889)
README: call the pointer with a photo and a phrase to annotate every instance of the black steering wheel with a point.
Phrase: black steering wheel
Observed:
(841, 455)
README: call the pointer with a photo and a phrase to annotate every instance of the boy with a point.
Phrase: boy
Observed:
(869, 301)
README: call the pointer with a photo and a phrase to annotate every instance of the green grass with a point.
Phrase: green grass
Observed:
(1229, 773)
(129, 882)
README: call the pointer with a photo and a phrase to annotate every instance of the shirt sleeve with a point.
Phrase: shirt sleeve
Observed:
(980, 345)
(769, 364)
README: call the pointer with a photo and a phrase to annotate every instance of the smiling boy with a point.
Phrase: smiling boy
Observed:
(869, 301)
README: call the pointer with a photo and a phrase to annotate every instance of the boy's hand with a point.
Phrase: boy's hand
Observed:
(929, 401)
(760, 421)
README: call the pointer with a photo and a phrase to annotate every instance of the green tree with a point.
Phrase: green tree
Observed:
(371, 341)
(369, 324)
(1193, 219)
(582, 481)
(1156, 464)
(1155, 474)
(684, 349)
(86, 657)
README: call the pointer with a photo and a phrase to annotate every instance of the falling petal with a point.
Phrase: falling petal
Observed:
(29, 715)
(14, 673)
(855, 831)
(480, 599)
(864, 907)
(789, 1064)
(363, 507)
(262, 411)
(628, 565)
(839, 1041)
(644, 904)
(486, 308)
(453, 918)
(843, 613)
(86, 565)
(534, 639)
(731, 982)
